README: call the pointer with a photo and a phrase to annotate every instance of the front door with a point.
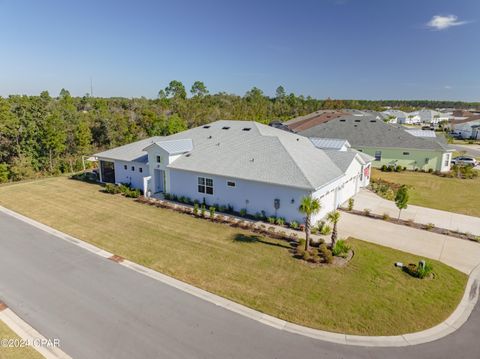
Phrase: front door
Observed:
(159, 181)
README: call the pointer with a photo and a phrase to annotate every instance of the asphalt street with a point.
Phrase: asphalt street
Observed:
(100, 309)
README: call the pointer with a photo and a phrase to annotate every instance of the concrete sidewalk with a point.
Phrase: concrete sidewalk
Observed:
(448, 220)
(459, 253)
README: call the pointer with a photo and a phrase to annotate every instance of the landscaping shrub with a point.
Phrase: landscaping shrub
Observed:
(111, 188)
(351, 203)
(306, 256)
(243, 212)
(131, 193)
(258, 215)
(271, 220)
(280, 221)
(203, 210)
(301, 227)
(341, 248)
(195, 209)
(429, 226)
(314, 230)
(167, 196)
(222, 208)
(212, 212)
(410, 222)
(230, 208)
(294, 224)
(386, 217)
(418, 271)
(326, 230)
(325, 253)
(367, 211)
(383, 168)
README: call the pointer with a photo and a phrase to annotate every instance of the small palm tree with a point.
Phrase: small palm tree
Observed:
(334, 217)
(309, 206)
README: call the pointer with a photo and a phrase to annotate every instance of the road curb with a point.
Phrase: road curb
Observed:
(30, 335)
(459, 316)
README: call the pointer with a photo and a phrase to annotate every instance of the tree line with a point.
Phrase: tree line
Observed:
(45, 135)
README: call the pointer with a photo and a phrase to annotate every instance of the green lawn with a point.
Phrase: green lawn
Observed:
(428, 190)
(369, 296)
(15, 353)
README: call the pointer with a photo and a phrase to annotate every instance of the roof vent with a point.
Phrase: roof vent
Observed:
(246, 129)
(342, 120)
(225, 128)
(206, 126)
(357, 120)
(209, 137)
(252, 160)
(188, 155)
(373, 120)
(218, 143)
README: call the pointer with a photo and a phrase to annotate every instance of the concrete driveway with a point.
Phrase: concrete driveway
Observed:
(449, 220)
(100, 309)
(471, 150)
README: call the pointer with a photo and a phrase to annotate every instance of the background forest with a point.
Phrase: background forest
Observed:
(44, 135)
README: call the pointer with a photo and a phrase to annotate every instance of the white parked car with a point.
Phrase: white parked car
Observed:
(464, 161)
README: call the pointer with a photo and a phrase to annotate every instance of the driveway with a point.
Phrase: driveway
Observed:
(100, 309)
(444, 219)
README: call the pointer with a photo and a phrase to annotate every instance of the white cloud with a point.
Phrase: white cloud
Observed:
(440, 22)
(447, 87)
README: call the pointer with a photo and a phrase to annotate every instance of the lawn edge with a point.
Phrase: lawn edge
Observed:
(459, 316)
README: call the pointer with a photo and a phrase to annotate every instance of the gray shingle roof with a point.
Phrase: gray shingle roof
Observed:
(343, 159)
(261, 153)
(367, 131)
(130, 152)
(174, 147)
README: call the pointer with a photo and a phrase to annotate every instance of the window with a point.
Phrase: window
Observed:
(378, 155)
(231, 183)
(140, 169)
(159, 159)
(447, 160)
(124, 167)
(133, 168)
(406, 153)
(205, 185)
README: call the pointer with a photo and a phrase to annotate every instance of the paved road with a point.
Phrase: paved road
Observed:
(100, 309)
(471, 150)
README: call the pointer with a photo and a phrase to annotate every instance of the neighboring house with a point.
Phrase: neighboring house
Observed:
(432, 117)
(243, 164)
(396, 116)
(389, 144)
(467, 128)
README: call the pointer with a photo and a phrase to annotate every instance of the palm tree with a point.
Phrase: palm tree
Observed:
(334, 218)
(309, 206)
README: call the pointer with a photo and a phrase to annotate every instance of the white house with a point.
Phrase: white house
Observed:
(432, 117)
(243, 164)
(467, 128)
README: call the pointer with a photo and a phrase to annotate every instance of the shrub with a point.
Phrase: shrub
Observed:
(212, 212)
(367, 212)
(132, 193)
(243, 212)
(384, 168)
(326, 230)
(230, 208)
(203, 210)
(430, 170)
(294, 224)
(325, 253)
(418, 271)
(181, 199)
(315, 257)
(410, 222)
(264, 214)
(314, 230)
(306, 256)
(222, 208)
(271, 220)
(301, 227)
(351, 203)
(111, 188)
(280, 221)
(195, 209)
(429, 226)
(258, 215)
(341, 248)
(386, 217)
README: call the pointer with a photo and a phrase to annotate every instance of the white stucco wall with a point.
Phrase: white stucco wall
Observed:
(260, 195)
(135, 177)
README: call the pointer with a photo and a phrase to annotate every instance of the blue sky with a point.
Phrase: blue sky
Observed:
(364, 49)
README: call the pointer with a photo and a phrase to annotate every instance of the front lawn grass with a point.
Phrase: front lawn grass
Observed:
(15, 353)
(428, 190)
(369, 296)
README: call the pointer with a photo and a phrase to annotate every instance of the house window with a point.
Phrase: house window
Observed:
(231, 183)
(159, 159)
(133, 168)
(124, 167)
(406, 153)
(140, 169)
(378, 155)
(205, 185)
(447, 160)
